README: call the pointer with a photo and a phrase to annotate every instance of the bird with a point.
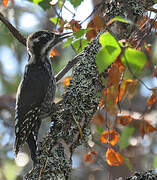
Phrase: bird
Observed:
(36, 91)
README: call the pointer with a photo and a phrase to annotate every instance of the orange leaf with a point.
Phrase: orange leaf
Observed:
(96, 24)
(112, 93)
(53, 53)
(66, 81)
(152, 99)
(124, 119)
(115, 72)
(94, 153)
(113, 158)
(121, 92)
(89, 156)
(75, 25)
(97, 20)
(110, 136)
(98, 119)
(130, 87)
(145, 128)
(5, 2)
(91, 34)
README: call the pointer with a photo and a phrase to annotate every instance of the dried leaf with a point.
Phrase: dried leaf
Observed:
(110, 136)
(146, 128)
(66, 81)
(98, 119)
(113, 158)
(94, 153)
(130, 87)
(152, 99)
(115, 72)
(124, 119)
(112, 95)
(91, 34)
(75, 25)
(96, 24)
(89, 157)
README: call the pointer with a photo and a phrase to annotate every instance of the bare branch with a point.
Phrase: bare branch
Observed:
(70, 64)
(13, 30)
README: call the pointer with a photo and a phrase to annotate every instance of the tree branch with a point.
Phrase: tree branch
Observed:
(13, 30)
(70, 64)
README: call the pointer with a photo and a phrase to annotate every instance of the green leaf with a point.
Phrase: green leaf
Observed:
(80, 44)
(42, 3)
(108, 53)
(68, 42)
(55, 20)
(79, 33)
(76, 3)
(124, 138)
(60, 3)
(117, 18)
(155, 161)
(37, 1)
(127, 162)
(99, 130)
(135, 58)
(107, 39)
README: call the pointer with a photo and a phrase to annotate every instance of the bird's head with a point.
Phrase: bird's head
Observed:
(40, 43)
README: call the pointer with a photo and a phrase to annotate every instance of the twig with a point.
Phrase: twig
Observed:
(70, 64)
(69, 10)
(80, 130)
(43, 168)
(60, 13)
(96, 7)
(134, 75)
(152, 9)
(13, 30)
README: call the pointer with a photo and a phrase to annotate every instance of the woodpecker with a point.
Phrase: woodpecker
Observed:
(36, 91)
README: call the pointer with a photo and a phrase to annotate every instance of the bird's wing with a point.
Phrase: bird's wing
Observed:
(32, 89)
(31, 93)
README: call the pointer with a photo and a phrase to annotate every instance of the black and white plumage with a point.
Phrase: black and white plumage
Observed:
(36, 91)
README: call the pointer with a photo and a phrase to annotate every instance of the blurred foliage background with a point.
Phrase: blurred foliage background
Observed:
(29, 17)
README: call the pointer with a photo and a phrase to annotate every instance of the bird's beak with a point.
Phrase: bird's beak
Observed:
(60, 37)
